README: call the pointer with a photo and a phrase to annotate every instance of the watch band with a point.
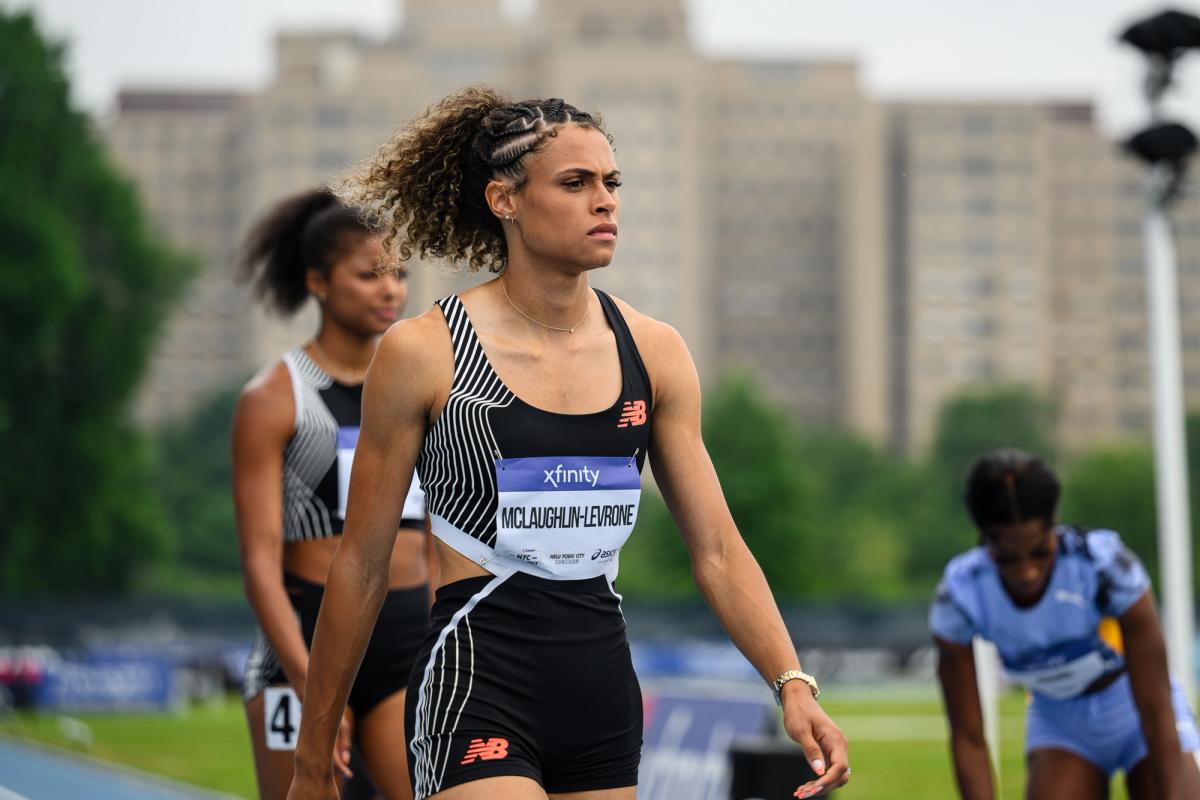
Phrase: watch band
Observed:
(794, 675)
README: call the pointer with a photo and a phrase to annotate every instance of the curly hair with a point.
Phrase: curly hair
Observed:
(310, 230)
(424, 189)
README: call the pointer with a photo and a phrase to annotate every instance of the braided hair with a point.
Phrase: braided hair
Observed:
(311, 230)
(424, 189)
(1009, 487)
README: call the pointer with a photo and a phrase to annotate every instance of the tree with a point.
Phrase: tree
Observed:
(1112, 487)
(815, 507)
(193, 479)
(752, 446)
(974, 422)
(84, 292)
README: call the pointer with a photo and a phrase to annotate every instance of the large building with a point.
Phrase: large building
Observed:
(178, 148)
(864, 261)
(1016, 257)
(796, 215)
(750, 220)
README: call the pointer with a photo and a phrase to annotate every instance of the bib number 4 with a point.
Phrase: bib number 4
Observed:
(281, 717)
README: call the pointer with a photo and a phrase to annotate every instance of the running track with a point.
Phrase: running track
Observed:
(34, 773)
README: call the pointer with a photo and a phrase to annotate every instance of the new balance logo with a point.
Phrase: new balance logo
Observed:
(486, 750)
(633, 414)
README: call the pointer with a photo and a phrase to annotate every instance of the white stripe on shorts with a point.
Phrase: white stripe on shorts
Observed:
(429, 760)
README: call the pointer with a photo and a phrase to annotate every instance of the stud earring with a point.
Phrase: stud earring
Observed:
(321, 296)
(509, 217)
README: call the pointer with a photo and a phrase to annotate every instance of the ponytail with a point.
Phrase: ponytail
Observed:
(306, 231)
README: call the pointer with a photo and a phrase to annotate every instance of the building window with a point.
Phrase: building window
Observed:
(331, 117)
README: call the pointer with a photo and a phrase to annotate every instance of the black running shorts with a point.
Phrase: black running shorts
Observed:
(402, 624)
(525, 676)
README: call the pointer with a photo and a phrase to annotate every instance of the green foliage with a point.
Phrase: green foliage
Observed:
(194, 481)
(975, 422)
(832, 517)
(823, 511)
(84, 292)
(755, 453)
(1113, 487)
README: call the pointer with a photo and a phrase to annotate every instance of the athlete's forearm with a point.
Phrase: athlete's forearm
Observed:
(1162, 738)
(1149, 680)
(354, 592)
(277, 618)
(972, 769)
(735, 588)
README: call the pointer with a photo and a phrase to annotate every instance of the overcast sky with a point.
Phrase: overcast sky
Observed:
(907, 48)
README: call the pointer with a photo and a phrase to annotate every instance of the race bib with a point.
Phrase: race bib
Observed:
(1066, 680)
(414, 501)
(347, 440)
(281, 717)
(566, 517)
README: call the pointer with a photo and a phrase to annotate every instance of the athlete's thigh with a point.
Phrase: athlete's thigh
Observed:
(1057, 774)
(504, 787)
(624, 793)
(1140, 780)
(272, 768)
(380, 737)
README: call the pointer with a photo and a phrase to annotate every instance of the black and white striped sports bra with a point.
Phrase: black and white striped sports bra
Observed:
(317, 460)
(516, 488)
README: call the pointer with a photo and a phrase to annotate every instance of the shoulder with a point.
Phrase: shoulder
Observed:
(649, 333)
(270, 387)
(967, 567)
(668, 361)
(1099, 546)
(415, 359)
(1076, 542)
(415, 338)
(266, 402)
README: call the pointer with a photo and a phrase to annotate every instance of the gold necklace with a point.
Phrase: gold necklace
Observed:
(354, 376)
(571, 329)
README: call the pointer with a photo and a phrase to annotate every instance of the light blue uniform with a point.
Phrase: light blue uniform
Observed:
(1054, 647)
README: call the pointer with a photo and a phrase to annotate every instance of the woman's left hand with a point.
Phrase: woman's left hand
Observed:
(341, 750)
(823, 742)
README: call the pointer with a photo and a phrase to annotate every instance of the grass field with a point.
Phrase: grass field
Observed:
(897, 741)
(204, 745)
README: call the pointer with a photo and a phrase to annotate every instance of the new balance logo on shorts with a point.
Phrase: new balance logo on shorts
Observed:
(486, 750)
(633, 414)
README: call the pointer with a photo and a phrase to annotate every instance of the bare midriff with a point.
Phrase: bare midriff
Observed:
(310, 560)
(454, 566)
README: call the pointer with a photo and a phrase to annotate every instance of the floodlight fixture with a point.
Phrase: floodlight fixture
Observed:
(1163, 39)
(1165, 143)
(1165, 35)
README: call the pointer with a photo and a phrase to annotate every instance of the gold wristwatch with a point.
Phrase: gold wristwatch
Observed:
(794, 675)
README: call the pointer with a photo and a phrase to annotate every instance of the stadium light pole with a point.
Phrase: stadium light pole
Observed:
(1165, 149)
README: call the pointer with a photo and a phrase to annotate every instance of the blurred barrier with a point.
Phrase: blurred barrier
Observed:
(115, 683)
(767, 768)
(720, 659)
(688, 735)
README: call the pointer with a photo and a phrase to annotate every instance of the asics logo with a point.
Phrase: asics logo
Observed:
(632, 414)
(486, 750)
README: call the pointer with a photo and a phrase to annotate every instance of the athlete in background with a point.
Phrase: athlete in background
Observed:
(294, 434)
(1038, 590)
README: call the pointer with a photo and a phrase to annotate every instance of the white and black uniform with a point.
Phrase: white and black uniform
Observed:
(316, 476)
(527, 671)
